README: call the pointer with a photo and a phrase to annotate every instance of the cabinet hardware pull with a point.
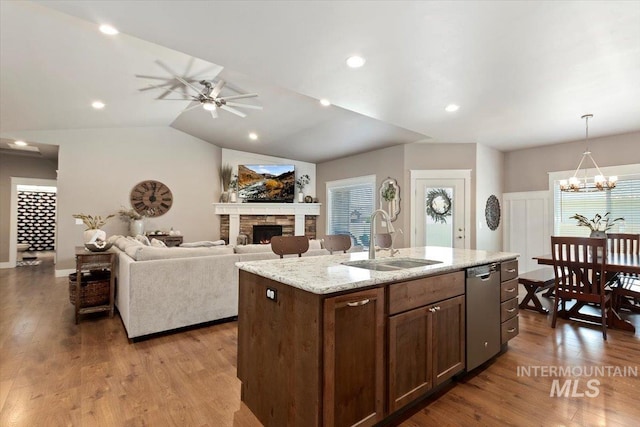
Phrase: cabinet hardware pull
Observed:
(511, 289)
(511, 330)
(432, 309)
(358, 303)
(511, 270)
(437, 307)
(511, 310)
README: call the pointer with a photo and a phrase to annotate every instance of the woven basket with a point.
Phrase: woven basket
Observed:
(94, 289)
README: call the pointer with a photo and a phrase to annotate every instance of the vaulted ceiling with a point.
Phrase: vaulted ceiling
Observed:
(522, 72)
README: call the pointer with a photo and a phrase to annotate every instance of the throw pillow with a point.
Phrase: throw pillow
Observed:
(143, 239)
(158, 243)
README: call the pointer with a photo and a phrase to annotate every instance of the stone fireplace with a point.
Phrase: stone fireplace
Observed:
(296, 219)
(262, 234)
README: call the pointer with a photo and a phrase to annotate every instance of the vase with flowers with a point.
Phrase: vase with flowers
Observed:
(302, 182)
(599, 225)
(225, 178)
(93, 233)
(135, 220)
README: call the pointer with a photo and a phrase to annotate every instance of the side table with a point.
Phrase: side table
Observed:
(87, 261)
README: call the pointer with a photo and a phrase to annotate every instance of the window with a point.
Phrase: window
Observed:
(350, 205)
(623, 201)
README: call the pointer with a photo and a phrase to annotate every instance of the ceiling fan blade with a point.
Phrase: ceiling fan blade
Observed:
(247, 95)
(216, 89)
(235, 104)
(167, 89)
(214, 113)
(186, 83)
(143, 76)
(233, 110)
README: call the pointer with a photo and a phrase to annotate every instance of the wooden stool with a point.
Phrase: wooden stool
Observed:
(534, 281)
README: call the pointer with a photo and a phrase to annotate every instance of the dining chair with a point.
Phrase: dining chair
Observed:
(579, 268)
(337, 242)
(289, 245)
(625, 286)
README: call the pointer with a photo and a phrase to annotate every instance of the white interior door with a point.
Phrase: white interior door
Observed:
(439, 212)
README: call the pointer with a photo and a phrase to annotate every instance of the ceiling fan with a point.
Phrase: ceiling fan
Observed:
(208, 97)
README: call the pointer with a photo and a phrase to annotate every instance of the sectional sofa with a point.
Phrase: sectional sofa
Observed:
(162, 289)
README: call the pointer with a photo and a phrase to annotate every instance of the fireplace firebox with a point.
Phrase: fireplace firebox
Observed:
(263, 233)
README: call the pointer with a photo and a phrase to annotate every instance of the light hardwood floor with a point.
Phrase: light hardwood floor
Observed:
(56, 373)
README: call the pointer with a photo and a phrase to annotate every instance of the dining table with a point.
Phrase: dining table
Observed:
(616, 263)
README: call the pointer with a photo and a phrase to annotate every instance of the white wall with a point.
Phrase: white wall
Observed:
(235, 158)
(489, 179)
(97, 169)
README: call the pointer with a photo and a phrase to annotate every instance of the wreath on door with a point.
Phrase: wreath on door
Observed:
(438, 205)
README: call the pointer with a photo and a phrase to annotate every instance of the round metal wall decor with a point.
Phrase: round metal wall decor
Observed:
(492, 212)
(438, 205)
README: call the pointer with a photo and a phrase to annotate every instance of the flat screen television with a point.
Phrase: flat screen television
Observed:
(266, 183)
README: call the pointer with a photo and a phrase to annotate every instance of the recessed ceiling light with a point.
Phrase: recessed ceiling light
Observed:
(253, 136)
(98, 105)
(20, 143)
(355, 61)
(451, 108)
(108, 29)
(325, 102)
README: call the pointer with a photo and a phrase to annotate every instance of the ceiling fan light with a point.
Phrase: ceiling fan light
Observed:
(108, 29)
(355, 61)
(209, 106)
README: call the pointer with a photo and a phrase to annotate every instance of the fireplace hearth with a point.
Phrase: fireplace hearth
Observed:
(262, 234)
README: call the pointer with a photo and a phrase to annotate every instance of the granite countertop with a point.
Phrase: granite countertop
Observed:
(326, 274)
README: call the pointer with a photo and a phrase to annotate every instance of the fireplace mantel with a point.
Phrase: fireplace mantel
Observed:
(236, 210)
(267, 208)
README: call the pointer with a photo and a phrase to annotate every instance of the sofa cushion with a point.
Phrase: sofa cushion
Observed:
(252, 249)
(146, 253)
(203, 244)
(124, 242)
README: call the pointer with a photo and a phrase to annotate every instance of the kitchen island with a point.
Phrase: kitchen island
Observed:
(324, 343)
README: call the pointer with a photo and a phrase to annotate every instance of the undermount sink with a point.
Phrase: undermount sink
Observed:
(390, 264)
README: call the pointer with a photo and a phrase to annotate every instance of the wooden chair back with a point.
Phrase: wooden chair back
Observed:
(623, 243)
(579, 267)
(337, 242)
(289, 245)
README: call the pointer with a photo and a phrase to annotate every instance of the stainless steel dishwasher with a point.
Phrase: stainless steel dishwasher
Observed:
(482, 314)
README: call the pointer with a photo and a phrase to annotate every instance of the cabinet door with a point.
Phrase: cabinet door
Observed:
(354, 359)
(448, 338)
(410, 356)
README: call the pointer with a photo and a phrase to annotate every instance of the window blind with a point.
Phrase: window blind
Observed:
(351, 203)
(623, 201)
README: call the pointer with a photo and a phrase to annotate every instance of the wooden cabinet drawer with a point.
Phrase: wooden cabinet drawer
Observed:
(508, 309)
(508, 270)
(509, 329)
(508, 290)
(416, 293)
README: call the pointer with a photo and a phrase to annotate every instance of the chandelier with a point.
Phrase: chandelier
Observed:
(581, 182)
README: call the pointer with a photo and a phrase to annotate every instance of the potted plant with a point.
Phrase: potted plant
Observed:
(93, 232)
(225, 178)
(135, 220)
(301, 182)
(599, 225)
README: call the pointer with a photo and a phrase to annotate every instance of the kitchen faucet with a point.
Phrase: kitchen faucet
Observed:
(372, 231)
